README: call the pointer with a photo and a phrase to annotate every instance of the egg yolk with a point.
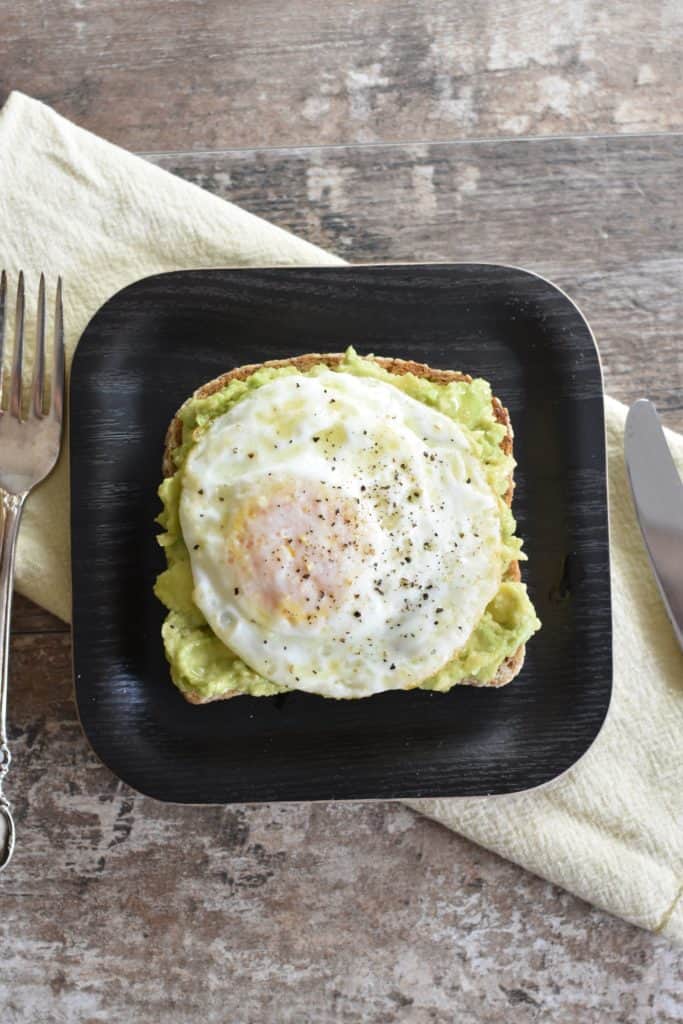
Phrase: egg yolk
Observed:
(296, 552)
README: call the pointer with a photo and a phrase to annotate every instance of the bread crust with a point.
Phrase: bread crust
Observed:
(513, 664)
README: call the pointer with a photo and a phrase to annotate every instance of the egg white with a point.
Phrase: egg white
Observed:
(343, 537)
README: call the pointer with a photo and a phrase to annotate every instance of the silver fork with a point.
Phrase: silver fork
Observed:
(30, 441)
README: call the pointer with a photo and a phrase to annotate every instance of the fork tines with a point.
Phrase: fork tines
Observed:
(11, 396)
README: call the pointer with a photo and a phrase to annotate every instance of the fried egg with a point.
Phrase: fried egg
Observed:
(343, 537)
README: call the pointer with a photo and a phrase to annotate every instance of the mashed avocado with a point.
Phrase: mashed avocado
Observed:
(202, 666)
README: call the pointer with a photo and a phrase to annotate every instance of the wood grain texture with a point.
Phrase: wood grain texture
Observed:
(97, 877)
(601, 218)
(120, 908)
(29, 618)
(136, 364)
(459, 929)
(155, 75)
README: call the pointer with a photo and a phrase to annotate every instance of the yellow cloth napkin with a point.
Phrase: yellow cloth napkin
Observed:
(610, 829)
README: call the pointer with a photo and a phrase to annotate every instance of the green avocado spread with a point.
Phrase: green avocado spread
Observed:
(203, 667)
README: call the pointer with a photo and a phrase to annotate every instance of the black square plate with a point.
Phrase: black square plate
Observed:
(147, 349)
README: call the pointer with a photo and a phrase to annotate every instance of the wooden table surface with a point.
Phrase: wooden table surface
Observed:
(538, 134)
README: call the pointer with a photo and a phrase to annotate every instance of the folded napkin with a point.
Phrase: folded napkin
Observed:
(611, 828)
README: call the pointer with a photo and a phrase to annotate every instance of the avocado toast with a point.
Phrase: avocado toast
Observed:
(202, 667)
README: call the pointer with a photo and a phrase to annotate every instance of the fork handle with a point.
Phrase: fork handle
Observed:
(12, 506)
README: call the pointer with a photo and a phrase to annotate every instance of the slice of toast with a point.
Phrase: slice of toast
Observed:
(513, 664)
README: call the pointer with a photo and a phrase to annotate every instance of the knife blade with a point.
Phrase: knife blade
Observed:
(658, 498)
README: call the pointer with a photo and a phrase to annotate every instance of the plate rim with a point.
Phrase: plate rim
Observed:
(150, 790)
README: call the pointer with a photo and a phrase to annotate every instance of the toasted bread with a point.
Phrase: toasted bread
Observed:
(513, 664)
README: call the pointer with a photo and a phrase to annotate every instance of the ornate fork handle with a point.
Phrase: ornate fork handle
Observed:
(30, 441)
(12, 505)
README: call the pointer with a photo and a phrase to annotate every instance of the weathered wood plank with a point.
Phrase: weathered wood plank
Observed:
(155, 75)
(117, 907)
(601, 218)
(347, 912)
(27, 617)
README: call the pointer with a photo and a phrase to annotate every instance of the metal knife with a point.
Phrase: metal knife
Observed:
(658, 498)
